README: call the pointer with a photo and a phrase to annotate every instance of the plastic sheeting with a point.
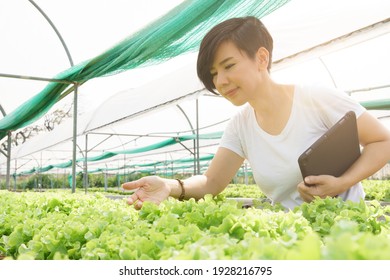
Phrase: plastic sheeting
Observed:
(295, 28)
(177, 32)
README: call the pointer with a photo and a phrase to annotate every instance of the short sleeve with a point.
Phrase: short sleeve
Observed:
(231, 136)
(332, 104)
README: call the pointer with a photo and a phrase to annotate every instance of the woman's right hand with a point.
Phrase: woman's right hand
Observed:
(149, 188)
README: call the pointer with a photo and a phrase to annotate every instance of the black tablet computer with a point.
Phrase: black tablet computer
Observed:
(335, 151)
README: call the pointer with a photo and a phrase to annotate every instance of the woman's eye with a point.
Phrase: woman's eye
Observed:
(229, 66)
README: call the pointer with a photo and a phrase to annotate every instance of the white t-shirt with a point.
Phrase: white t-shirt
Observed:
(274, 158)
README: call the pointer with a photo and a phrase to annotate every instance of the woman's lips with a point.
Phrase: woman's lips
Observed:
(230, 92)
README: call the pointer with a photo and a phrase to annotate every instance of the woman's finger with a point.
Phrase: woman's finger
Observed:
(132, 198)
(134, 184)
(138, 205)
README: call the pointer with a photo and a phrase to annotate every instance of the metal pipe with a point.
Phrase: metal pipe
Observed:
(193, 132)
(86, 164)
(7, 183)
(23, 77)
(74, 139)
(7, 154)
(328, 71)
(368, 88)
(55, 30)
(75, 92)
(197, 137)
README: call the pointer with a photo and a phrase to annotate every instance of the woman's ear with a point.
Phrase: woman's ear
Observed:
(262, 57)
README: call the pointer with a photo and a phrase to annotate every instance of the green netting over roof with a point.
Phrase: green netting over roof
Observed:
(165, 143)
(161, 165)
(106, 155)
(178, 32)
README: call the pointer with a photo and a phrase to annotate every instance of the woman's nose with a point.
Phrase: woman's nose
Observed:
(220, 79)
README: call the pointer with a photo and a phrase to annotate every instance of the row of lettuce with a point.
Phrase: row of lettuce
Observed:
(95, 180)
(374, 189)
(62, 225)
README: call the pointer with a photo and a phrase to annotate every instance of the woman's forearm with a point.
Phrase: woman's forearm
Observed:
(374, 156)
(195, 187)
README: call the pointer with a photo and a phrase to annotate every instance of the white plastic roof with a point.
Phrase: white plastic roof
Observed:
(314, 41)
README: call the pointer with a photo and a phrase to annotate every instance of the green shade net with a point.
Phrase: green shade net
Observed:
(106, 155)
(158, 145)
(178, 32)
(161, 165)
(382, 104)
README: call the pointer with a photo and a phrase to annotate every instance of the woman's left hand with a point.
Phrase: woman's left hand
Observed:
(321, 186)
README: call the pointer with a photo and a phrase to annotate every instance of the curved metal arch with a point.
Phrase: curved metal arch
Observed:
(75, 92)
(328, 71)
(196, 152)
(55, 30)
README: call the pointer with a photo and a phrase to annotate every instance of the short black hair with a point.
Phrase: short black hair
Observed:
(247, 33)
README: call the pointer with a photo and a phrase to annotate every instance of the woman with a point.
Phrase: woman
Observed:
(276, 124)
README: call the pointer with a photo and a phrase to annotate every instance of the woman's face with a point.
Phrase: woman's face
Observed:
(236, 76)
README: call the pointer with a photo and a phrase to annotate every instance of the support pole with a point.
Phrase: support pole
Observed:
(246, 173)
(75, 91)
(7, 153)
(105, 181)
(197, 138)
(86, 164)
(7, 180)
(74, 138)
